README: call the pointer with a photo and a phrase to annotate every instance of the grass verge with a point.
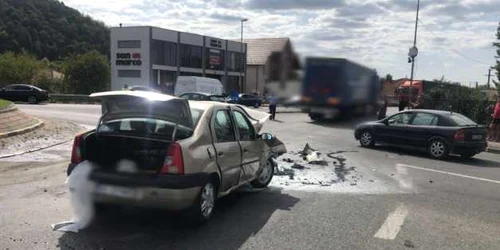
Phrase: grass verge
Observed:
(4, 104)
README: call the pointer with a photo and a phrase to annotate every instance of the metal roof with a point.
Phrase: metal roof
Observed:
(260, 49)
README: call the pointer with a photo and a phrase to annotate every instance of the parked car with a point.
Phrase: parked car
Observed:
(198, 96)
(188, 84)
(143, 88)
(439, 132)
(248, 100)
(24, 93)
(186, 153)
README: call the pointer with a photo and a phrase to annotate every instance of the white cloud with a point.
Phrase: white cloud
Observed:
(377, 33)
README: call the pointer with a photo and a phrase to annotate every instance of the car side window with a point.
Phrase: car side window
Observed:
(245, 128)
(400, 119)
(424, 119)
(10, 88)
(223, 126)
(23, 88)
(185, 96)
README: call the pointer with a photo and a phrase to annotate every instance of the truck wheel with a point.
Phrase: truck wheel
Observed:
(264, 175)
(204, 206)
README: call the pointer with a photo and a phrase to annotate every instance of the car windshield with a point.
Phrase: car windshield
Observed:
(461, 120)
(217, 98)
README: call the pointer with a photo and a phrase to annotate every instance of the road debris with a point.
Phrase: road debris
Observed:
(409, 244)
(298, 166)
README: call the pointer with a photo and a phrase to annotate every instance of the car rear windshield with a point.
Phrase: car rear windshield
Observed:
(149, 127)
(461, 120)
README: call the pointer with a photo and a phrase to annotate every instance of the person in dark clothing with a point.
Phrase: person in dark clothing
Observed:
(402, 105)
(383, 109)
(272, 106)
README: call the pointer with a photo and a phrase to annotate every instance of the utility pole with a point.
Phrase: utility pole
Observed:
(412, 54)
(242, 57)
(489, 77)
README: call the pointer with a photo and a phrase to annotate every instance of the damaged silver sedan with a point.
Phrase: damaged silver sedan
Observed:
(157, 150)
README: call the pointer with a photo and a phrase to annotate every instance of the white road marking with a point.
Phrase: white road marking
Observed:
(402, 171)
(390, 229)
(449, 173)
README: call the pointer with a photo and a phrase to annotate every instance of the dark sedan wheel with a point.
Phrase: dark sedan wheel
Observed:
(32, 99)
(438, 149)
(256, 105)
(366, 139)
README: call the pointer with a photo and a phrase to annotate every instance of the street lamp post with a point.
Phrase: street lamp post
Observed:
(412, 54)
(242, 58)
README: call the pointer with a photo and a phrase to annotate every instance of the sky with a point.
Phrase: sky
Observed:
(454, 36)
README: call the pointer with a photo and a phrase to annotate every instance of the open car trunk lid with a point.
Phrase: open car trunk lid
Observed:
(143, 104)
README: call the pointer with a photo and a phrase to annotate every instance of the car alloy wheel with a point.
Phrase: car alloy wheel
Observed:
(32, 99)
(207, 201)
(256, 105)
(438, 149)
(366, 139)
(264, 175)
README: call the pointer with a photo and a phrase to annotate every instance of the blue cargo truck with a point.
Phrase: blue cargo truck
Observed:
(335, 86)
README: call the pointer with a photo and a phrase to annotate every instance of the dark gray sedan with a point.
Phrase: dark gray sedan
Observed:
(439, 132)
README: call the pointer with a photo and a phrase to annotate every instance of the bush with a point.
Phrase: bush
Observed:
(87, 73)
(53, 85)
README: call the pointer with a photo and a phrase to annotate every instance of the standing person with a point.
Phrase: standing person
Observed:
(495, 123)
(272, 106)
(383, 109)
(235, 96)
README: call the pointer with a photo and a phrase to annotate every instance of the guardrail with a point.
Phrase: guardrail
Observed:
(69, 98)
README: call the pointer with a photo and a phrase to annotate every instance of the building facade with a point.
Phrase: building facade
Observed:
(155, 57)
(270, 60)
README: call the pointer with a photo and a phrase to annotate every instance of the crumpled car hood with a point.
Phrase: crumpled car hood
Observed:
(258, 117)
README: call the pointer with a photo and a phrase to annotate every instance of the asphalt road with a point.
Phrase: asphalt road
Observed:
(400, 199)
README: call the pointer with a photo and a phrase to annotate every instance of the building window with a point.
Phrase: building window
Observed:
(164, 53)
(190, 56)
(214, 59)
(129, 44)
(234, 61)
(129, 73)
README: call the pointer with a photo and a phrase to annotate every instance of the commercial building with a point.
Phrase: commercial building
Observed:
(270, 60)
(155, 57)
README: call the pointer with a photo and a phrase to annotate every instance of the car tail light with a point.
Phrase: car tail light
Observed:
(459, 135)
(76, 153)
(174, 164)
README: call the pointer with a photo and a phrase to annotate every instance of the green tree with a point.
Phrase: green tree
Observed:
(497, 57)
(87, 73)
(18, 68)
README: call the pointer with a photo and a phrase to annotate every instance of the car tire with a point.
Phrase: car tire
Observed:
(438, 149)
(256, 105)
(264, 175)
(366, 139)
(467, 156)
(32, 99)
(316, 117)
(204, 206)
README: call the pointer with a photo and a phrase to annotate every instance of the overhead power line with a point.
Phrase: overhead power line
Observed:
(453, 50)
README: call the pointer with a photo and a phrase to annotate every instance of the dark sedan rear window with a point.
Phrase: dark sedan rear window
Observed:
(461, 120)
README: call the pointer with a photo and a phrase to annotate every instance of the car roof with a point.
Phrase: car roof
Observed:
(430, 111)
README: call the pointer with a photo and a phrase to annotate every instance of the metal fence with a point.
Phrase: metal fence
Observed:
(68, 98)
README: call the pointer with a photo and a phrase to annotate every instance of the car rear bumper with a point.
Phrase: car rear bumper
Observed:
(171, 192)
(469, 147)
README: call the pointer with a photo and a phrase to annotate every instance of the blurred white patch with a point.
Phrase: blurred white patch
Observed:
(314, 156)
(81, 189)
(126, 166)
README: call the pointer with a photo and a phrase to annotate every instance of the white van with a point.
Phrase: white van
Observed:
(189, 84)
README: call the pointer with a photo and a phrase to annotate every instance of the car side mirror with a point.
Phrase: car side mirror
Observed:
(266, 136)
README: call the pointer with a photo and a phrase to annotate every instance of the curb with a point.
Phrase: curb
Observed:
(34, 150)
(9, 108)
(23, 130)
(493, 150)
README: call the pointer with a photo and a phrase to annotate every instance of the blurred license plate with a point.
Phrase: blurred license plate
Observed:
(477, 137)
(122, 192)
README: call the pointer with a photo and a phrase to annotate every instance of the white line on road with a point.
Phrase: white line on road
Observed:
(449, 173)
(390, 229)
